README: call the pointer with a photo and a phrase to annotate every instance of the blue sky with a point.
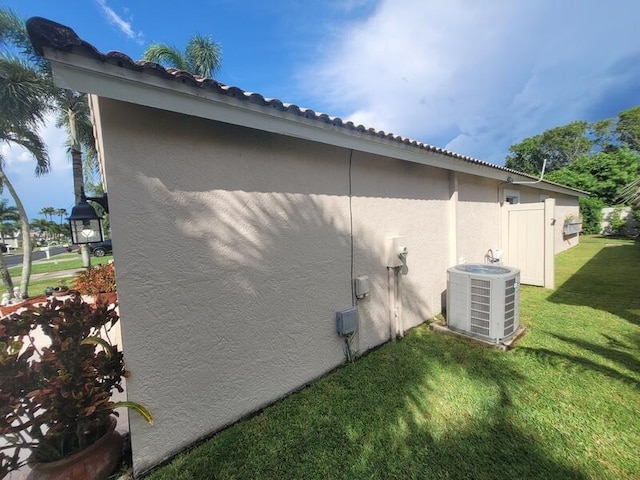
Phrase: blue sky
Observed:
(474, 76)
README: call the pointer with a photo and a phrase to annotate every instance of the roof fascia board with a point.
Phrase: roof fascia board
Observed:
(92, 76)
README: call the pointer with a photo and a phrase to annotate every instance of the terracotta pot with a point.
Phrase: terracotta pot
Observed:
(96, 462)
(6, 310)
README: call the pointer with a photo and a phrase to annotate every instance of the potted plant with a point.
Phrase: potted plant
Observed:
(55, 395)
(98, 282)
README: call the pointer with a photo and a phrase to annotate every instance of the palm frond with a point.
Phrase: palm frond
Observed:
(14, 35)
(631, 193)
(25, 94)
(33, 143)
(165, 55)
(204, 55)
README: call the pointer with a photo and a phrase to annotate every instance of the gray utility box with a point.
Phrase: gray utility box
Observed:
(347, 321)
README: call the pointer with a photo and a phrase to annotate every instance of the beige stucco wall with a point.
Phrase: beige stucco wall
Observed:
(394, 198)
(478, 218)
(234, 249)
(566, 207)
(233, 252)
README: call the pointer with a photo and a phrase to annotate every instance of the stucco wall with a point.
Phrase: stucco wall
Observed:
(234, 249)
(478, 218)
(233, 252)
(566, 207)
(394, 198)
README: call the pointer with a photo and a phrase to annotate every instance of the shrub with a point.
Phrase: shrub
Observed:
(617, 223)
(591, 212)
(55, 398)
(98, 279)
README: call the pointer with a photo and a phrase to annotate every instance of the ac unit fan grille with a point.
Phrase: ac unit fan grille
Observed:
(480, 306)
(509, 306)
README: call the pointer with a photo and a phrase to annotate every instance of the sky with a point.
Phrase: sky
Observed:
(472, 76)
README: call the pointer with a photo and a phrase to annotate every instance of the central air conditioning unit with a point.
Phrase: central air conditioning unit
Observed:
(483, 300)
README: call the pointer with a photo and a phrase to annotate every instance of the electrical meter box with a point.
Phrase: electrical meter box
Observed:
(347, 321)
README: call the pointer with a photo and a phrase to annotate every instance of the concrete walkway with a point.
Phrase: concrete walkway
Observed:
(53, 275)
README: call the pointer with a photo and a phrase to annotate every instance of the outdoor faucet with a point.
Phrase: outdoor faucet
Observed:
(490, 258)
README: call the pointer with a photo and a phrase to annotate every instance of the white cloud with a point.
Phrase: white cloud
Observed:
(471, 76)
(124, 26)
(53, 189)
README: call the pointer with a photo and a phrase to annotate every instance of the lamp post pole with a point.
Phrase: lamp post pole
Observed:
(78, 190)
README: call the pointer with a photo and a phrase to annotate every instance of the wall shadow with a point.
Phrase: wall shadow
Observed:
(383, 440)
(608, 282)
(221, 265)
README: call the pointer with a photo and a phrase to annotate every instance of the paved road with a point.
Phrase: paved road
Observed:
(13, 260)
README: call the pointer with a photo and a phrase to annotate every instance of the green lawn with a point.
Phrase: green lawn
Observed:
(64, 261)
(562, 405)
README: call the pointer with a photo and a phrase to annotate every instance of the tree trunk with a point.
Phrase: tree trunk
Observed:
(78, 187)
(6, 276)
(26, 240)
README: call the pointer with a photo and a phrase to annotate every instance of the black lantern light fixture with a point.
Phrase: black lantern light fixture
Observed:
(84, 222)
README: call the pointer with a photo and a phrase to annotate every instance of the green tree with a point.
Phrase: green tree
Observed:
(202, 56)
(591, 213)
(560, 146)
(47, 212)
(628, 128)
(42, 226)
(603, 174)
(61, 212)
(24, 99)
(72, 107)
(616, 222)
(9, 216)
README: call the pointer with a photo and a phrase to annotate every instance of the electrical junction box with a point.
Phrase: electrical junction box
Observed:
(395, 251)
(347, 321)
(361, 286)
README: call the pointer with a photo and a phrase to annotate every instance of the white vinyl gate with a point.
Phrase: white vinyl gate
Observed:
(528, 241)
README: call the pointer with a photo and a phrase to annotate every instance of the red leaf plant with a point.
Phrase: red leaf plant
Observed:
(55, 399)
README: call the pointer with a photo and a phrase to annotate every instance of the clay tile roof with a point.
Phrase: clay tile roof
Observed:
(46, 33)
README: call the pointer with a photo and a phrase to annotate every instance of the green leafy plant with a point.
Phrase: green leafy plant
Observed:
(591, 213)
(98, 279)
(55, 399)
(616, 222)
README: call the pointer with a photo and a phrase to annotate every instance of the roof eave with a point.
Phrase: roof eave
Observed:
(88, 74)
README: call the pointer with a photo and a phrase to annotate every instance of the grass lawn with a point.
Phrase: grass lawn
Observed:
(63, 261)
(563, 405)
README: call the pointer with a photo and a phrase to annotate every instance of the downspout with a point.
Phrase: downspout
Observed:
(394, 293)
(544, 164)
(392, 303)
(399, 318)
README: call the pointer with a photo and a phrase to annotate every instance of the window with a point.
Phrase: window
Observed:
(511, 196)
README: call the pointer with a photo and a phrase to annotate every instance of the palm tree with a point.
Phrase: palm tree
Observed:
(47, 212)
(72, 106)
(202, 56)
(61, 212)
(74, 116)
(9, 223)
(631, 193)
(42, 226)
(8, 217)
(24, 98)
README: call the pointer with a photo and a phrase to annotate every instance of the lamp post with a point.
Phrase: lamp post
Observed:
(86, 225)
